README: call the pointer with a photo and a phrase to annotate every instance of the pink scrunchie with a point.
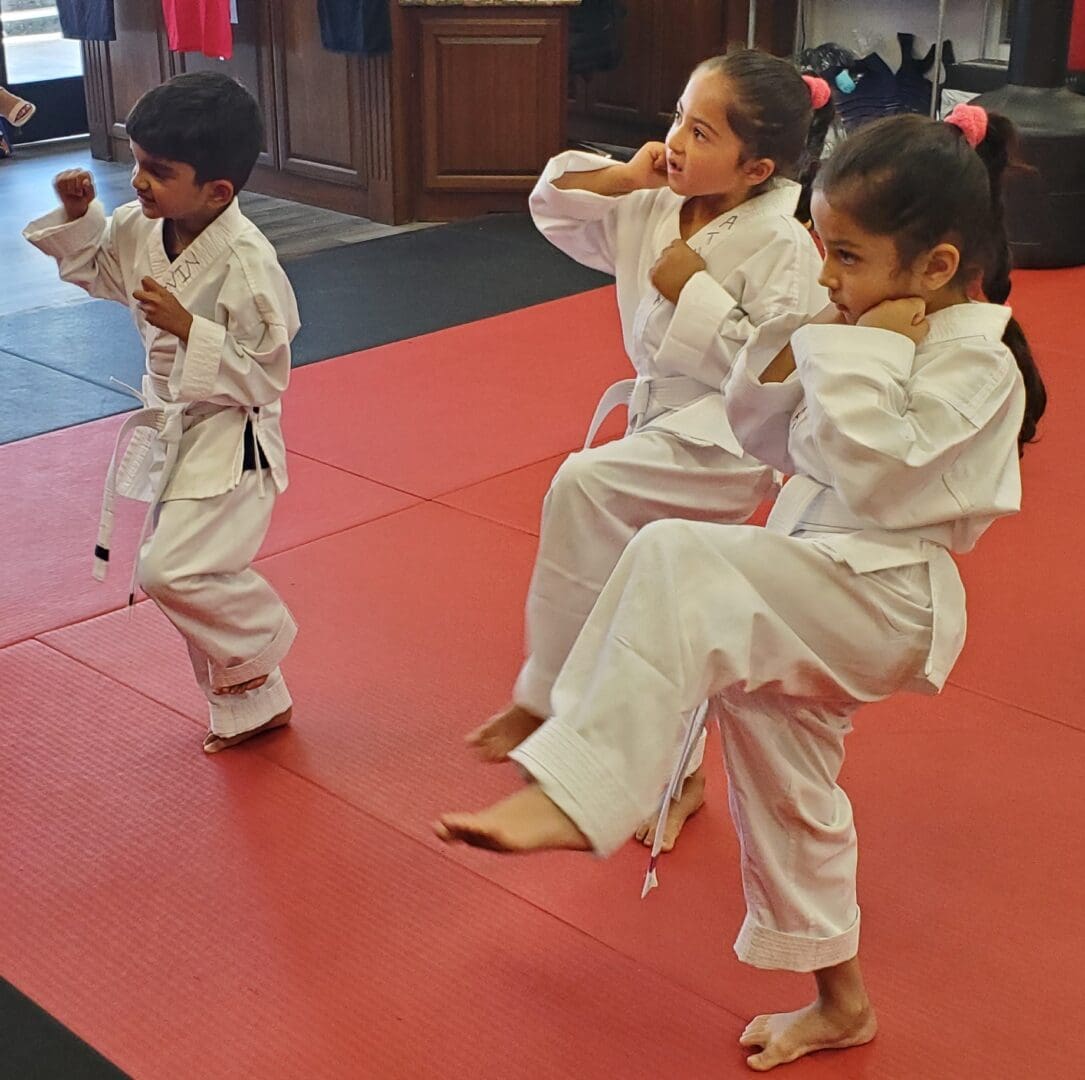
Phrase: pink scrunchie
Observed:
(819, 91)
(972, 120)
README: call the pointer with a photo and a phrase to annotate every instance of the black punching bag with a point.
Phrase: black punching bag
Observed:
(1045, 211)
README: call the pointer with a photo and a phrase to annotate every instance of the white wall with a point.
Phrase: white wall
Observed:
(863, 25)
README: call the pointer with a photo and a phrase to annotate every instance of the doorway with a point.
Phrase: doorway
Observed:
(38, 63)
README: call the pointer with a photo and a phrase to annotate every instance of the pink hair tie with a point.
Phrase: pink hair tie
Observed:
(972, 120)
(819, 91)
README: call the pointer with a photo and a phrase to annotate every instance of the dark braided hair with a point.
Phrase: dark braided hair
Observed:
(772, 115)
(939, 190)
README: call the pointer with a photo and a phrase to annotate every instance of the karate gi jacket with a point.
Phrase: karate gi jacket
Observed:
(760, 285)
(236, 364)
(898, 454)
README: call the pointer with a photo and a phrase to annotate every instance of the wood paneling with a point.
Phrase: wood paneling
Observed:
(138, 60)
(619, 94)
(317, 99)
(686, 33)
(358, 133)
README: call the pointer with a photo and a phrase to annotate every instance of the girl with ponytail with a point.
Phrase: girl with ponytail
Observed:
(700, 232)
(898, 414)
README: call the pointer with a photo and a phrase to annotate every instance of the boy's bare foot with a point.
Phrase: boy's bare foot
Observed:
(526, 821)
(213, 743)
(682, 809)
(242, 688)
(503, 733)
(785, 1037)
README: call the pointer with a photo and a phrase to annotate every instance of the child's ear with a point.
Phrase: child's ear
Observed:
(758, 170)
(221, 192)
(939, 266)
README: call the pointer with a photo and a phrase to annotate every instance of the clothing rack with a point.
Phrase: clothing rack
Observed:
(940, 37)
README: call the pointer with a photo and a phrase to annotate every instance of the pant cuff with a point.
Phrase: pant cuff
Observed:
(234, 716)
(266, 661)
(765, 948)
(564, 766)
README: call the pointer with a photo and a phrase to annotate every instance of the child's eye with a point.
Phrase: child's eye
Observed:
(847, 258)
(699, 134)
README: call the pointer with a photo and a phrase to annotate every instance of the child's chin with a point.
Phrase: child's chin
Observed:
(150, 211)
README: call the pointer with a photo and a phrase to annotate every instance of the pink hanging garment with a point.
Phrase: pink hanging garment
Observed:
(199, 26)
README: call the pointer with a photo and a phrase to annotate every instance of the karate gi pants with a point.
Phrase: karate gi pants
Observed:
(197, 567)
(792, 642)
(597, 502)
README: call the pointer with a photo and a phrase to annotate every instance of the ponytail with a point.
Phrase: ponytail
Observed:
(997, 152)
(1035, 392)
(820, 123)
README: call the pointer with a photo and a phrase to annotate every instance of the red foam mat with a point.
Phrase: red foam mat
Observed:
(936, 781)
(223, 918)
(289, 893)
(51, 487)
(440, 412)
(1025, 583)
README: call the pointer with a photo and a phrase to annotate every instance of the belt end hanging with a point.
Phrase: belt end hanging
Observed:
(650, 880)
(101, 562)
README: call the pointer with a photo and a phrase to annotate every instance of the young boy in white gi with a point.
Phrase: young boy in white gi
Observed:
(217, 315)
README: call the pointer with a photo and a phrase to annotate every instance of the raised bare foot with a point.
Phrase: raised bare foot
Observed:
(242, 688)
(784, 1037)
(526, 821)
(682, 809)
(213, 743)
(503, 733)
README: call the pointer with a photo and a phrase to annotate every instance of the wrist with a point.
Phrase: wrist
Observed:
(624, 179)
(185, 328)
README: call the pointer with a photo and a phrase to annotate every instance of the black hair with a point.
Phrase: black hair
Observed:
(921, 183)
(203, 119)
(772, 114)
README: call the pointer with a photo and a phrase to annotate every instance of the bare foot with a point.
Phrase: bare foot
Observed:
(784, 1037)
(526, 821)
(503, 733)
(242, 688)
(682, 809)
(213, 743)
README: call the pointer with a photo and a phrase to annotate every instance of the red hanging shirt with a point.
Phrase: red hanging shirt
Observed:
(199, 26)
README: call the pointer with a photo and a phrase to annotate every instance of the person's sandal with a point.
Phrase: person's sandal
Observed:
(21, 112)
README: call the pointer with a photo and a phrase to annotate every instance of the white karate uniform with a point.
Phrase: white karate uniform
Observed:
(186, 456)
(680, 457)
(900, 455)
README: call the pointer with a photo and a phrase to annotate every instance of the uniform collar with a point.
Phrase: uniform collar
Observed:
(199, 254)
(973, 319)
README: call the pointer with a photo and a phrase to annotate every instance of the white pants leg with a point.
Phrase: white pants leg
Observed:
(197, 567)
(793, 641)
(597, 502)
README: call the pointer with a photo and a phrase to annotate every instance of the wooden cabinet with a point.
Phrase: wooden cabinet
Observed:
(489, 104)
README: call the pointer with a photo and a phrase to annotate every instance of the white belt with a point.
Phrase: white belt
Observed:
(166, 421)
(643, 396)
(674, 788)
